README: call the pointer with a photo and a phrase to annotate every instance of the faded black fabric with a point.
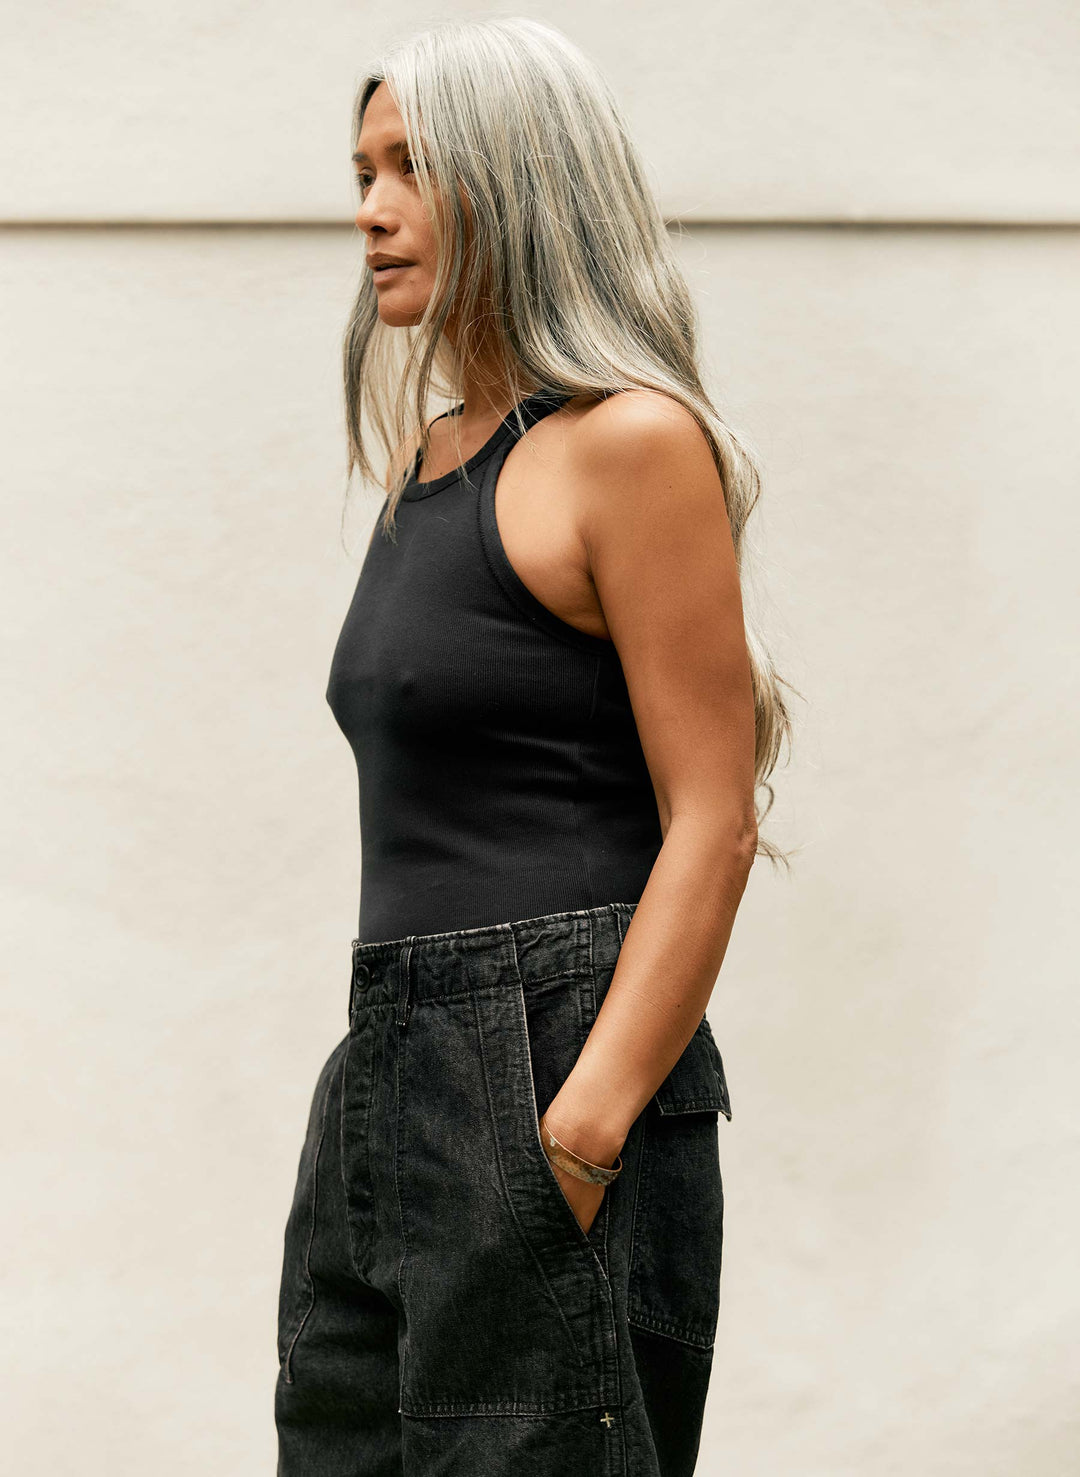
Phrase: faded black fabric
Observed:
(501, 774)
(442, 1313)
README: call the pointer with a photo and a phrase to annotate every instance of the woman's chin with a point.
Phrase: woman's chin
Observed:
(396, 315)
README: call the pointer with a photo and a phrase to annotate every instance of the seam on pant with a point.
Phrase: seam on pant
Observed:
(634, 1204)
(667, 1331)
(287, 1362)
(525, 1241)
(349, 1230)
(611, 1383)
(401, 1275)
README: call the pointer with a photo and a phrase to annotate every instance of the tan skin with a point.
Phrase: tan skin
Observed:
(612, 513)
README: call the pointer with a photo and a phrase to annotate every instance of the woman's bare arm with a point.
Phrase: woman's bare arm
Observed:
(652, 517)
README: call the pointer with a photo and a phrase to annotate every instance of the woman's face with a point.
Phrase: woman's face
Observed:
(392, 215)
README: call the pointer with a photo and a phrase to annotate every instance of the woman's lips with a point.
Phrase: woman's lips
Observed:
(387, 274)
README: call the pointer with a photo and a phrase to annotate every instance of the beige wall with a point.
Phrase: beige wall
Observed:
(181, 859)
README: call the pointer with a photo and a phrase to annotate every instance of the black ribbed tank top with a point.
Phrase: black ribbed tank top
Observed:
(501, 775)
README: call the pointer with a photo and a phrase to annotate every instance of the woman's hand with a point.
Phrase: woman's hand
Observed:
(583, 1196)
(585, 1199)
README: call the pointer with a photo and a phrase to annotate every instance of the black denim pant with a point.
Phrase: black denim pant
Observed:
(442, 1313)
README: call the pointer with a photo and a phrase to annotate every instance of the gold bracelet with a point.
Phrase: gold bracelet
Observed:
(594, 1174)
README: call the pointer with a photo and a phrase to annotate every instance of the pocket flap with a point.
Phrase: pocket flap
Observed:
(696, 1083)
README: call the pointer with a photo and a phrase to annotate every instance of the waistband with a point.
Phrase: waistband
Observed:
(528, 951)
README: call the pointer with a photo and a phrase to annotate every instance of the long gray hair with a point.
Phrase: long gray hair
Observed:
(564, 268)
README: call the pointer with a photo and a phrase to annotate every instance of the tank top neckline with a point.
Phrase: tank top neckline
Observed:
(415, 490)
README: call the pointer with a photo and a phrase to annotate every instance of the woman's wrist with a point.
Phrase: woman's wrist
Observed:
(574, 1164)
(588, 1134)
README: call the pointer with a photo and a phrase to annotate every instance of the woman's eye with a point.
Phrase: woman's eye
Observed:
(363, 181)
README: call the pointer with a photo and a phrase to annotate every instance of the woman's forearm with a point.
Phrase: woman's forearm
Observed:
(666, 971)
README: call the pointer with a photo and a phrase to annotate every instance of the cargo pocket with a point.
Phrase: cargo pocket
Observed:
(507, 1306)
(678, 1215)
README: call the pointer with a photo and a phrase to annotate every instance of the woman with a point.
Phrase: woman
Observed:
(503, 1254)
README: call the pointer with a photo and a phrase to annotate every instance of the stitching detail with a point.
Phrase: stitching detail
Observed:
(634, 1207)
(526, 1242)
(460, 473)
(400, 1276)
(660, 1329)
(287, 1362)
(615, 1455)
(537, 1410)
(341, 1160)
(692, 1105)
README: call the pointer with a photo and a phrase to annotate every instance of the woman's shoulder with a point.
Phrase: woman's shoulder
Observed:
(639, 412)
(619, 432)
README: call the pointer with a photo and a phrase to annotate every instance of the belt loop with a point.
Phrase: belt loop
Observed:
(404, 1004)
(352, 978)
(619, 923)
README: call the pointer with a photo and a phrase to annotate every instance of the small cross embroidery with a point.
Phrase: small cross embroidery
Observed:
(606, 1419)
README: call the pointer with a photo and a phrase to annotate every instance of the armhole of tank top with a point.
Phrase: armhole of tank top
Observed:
(514, 587)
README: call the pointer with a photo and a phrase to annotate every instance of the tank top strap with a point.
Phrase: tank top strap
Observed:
(454, 410)
(533, 408)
